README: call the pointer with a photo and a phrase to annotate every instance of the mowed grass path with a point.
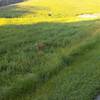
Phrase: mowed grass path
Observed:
(34, 11)
(51, 60)
(41, 8)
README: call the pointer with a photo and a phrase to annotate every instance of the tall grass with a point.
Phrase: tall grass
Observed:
(24, 69)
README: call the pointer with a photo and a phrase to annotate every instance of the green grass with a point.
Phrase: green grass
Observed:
(66, 67)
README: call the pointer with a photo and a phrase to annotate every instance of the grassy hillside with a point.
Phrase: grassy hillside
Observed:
(47, 52)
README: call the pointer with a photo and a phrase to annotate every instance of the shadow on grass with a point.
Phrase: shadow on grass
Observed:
(16, 11)
(19, 56)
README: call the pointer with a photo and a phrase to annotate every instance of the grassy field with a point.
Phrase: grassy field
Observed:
(47, 52)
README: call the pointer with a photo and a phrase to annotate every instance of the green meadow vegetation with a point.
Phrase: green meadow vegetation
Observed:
(45, 55)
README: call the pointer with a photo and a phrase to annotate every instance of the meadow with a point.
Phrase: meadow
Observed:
(47, 52)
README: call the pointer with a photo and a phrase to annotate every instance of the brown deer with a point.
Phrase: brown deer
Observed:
(40, 46)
